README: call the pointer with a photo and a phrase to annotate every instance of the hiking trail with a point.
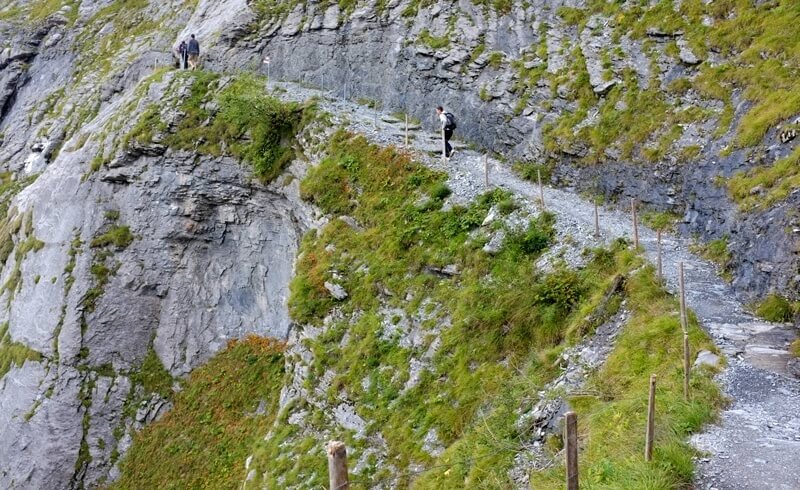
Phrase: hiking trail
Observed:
(756, 442)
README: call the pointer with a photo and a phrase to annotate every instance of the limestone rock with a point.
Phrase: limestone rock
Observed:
(337, 291)
(707, 358)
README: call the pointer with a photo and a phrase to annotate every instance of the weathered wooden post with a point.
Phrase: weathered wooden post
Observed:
(406, 130)
(658, 260)
(596, 221)
(651, 420)
(571, 449)
(337, 465)
(486, 169)
(541, 189)
(635, 224)
(685, 328)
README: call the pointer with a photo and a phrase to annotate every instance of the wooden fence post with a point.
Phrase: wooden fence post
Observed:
(571, 440)
(541, 189)
(651, 419)
(406, 130)
(659, 266)
(486, 170)
(635, 224)
(685, 328)
(337, 465)
(596, 221)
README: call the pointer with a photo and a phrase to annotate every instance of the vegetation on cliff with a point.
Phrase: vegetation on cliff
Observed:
(224, 408)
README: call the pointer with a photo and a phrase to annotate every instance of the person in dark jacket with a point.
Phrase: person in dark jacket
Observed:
(183, 54)
(448, 126)
(194, 53)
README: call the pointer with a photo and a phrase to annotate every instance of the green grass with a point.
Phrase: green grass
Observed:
(717, 252)
(663, 221)
(250, 125)
(119, 236)
(433, 42)
(153, 377)
(203, 441)
(505, 322)
(14, 353)
(611, 417)
(761, 187)
(775, 308)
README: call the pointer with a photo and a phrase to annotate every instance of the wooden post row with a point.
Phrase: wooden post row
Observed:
(651, 417)
(685, 328)
(337, 465)
(571, 449)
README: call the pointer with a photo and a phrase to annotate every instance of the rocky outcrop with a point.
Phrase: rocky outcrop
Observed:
(161, 252)
(477, 66)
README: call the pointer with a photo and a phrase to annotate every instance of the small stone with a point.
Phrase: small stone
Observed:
(707, 358)
(337, 291)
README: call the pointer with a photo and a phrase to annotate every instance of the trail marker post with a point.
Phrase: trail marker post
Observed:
(267, 61)
(685, 328)
(571, 449)
(651, 418)
(337, 465)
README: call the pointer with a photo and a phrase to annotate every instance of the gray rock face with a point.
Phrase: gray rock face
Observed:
(210, 259)
(379, 56)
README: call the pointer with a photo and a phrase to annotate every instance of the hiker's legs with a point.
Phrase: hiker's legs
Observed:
(448, 133)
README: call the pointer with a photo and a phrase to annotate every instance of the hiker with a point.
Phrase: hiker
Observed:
(194, 52)
(183, 54)
(448, 121)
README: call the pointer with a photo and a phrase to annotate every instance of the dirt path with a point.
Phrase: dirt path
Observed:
(756, 444)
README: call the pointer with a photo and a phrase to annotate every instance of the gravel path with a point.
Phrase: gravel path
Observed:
(756, 444)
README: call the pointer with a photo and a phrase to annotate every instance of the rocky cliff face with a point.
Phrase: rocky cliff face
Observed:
(127, 265)
(615, 102)
(122, 271)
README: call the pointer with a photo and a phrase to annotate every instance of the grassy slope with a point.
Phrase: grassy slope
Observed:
(612, 419)
(759, 46)
(203, 441)
(501, 324)
(508, 324)
(249, 124)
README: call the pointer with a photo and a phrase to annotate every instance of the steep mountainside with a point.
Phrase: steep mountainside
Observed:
(149, 216)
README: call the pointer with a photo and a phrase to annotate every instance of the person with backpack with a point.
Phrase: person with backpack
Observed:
(194, 52)
(183, 53)
(448, 121)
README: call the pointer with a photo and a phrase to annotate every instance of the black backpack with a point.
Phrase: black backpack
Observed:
(451, 121)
